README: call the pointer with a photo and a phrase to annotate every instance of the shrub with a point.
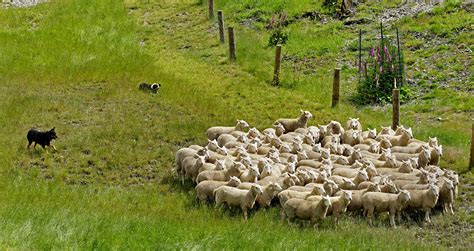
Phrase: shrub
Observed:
(279, 34)
(379, 73)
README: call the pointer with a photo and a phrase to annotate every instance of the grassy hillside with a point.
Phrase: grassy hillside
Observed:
(75, 65)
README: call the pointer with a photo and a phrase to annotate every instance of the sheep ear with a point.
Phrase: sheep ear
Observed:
(301, 111)
(357, 119)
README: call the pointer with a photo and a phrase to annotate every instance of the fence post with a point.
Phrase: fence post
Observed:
(471, 160)
(232, 56)
(220, 21)
(276, 69)
(336, 86)
(399, 60)
(211, 8)
(396, 108)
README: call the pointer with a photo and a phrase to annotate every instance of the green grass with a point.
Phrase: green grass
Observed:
(75, 65)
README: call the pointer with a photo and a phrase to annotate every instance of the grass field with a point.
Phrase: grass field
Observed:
(75, 65)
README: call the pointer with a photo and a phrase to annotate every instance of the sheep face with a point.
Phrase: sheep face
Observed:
(404, 196)
(257, 189)
(292, 159)
(212, 144)
(347, 195)
(285, 148)
(222, 150)
(247, 161)
(317, 190)
(302, 155)
(405, 167)
(220, 164)
(317, 147)
(439, 150)
(234, 181)
(326, 201)
(433, 141)
(434, 190)
(291, 167)
(306, 114)
(242, 124)
(373, 188)
(356, 154)
(253, 133)
(323, 130)
(353, 123)
(243, 139)
(372, 133)
(362, 175)
(374, 147)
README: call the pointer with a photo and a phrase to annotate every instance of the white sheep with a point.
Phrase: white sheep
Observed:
(369, 134)
(205, 189)
(352, 137)
(384, 202)
(234, 170)
(338, 204)
(424, 200)
(250, 175)
(191, 166)
(291, 125)
(285, 195)
(356, 202)
(214, 132)
(446, 195)
(234, 197)
(353, 123)
(335, 127)
(306, 210)
(182, 153)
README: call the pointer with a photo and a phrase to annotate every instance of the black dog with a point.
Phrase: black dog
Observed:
(149, 87)
(41, 138)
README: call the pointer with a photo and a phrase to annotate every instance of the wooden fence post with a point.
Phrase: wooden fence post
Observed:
(471, 160)
(220, 21)
(400, 70)
(396, 108)
(336, 86)
(232, 56)
(276, 69)
(211, 8)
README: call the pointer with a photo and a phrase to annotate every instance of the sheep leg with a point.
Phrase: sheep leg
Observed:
(392, 219)
(427, 216)
(451, 208)
(282, 214)
(370, 214)
(245, 213)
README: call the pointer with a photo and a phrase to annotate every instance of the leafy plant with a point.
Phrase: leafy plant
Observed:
(279, 34)
(382, 73)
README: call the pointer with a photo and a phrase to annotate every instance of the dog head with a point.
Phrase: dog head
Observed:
(155, 86)
(52, 133)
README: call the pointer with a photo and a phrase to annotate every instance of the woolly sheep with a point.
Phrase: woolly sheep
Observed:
(269, 192)
(205, 189)
(338, 204)
(384, 202)
(191, 166)
(352, 137)
(223, 139)
(223, 175)
(182, 153)
(306, 210)
(285, 195)
(356, 203)
(291, 125)
(353, 123)
(250, 175)
(424, 200)
(369, 134)
(446, 195)
(214, 132)
(234, 197)
(335, 127)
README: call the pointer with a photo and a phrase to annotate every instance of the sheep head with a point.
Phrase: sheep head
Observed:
(241, 124)
(233, 181)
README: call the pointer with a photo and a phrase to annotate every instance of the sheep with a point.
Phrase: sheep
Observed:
(205, 189)
(269, 192)
(285, 195)
(250, 175)
(424, 200)
(369, 134)
(242, 140)
(335, 128)
(356, 202)
(235, 197)
(191, 166)
(423, 179)
(338, 204)
(353, 123)
(383, 202)
(352, 137)
(436, 153)
(331, 138)
(285, 181)
(446, 195)
(306, 210)
(329, 186)
(220, 165)
(214, 132)
(291, 125)
(405, 170)
(371, 148)
(182, 153)
(400, 140)
(234, 170)
(223, 139)
(386, 131)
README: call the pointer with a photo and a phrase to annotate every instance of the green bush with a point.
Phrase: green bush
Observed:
(380, 71)
(279, 34)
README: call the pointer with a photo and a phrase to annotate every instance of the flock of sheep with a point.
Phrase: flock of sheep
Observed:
(318, 171)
